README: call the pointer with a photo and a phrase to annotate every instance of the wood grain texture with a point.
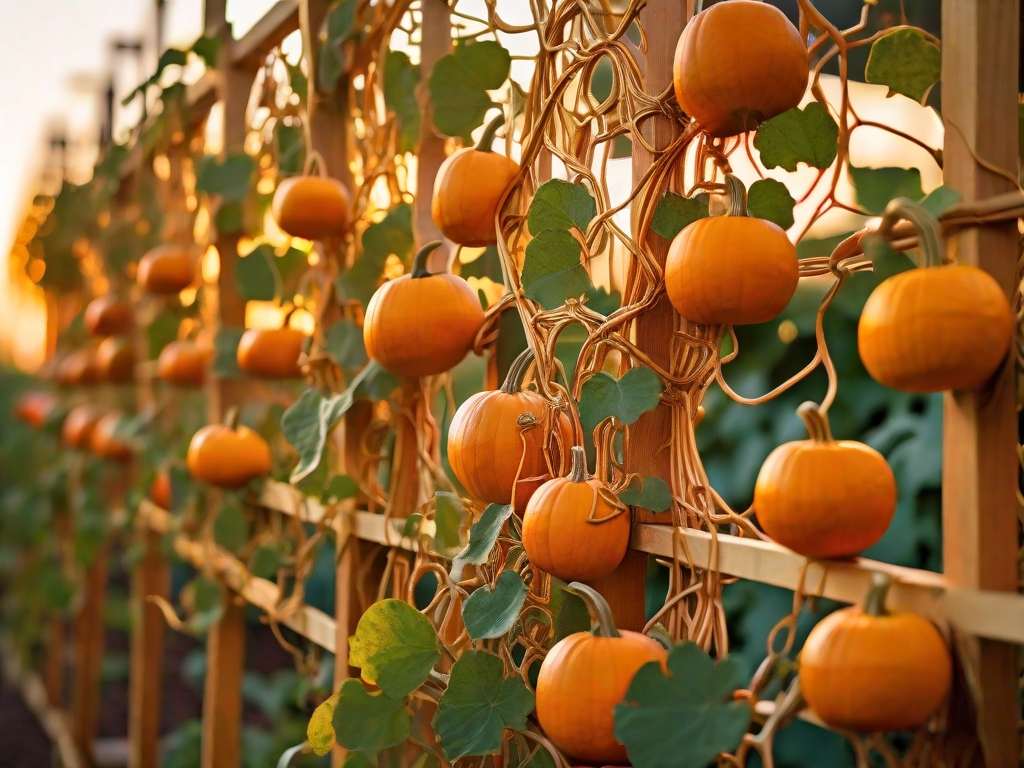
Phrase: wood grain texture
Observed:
(89, 641)
(436, 35)
(222, 695)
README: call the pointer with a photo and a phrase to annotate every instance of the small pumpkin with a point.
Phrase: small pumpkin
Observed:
(469, 187)
(227, 456)
(422, 324)
(115, 360)
(864, 669)
(733, 269)
(271, 353)
(34, 408)
(108, 316)
(938, 327)
(738, 64)
(574, 527)
(825, 498)
(160, 490)
(183, 363)
(311, 207)
(584, 677)
(104, 441)
(166, 269)
(497, 437)
(76, 432)
(78, 368)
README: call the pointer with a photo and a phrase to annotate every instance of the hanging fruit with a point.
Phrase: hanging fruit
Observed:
(732, 269)
(166, 270)
(938, 327)
(422, 324)
(468, 189)
(183, 363)
(108, 316)
(228, 456)
(311, 207)
(271, 353)
(78, 368)
(584, 677)
(497, 437)
(825, 498)
(115, 360)
(864, 669)
(160, 490)
(76, 432)
(34, 408)
(738, 64)
(105, 442)
(574, 527)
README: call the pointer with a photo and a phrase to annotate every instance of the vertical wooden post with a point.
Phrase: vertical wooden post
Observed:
(435, 43)
(88, 655)
(979, 505)
(53, 671)
(222, 695)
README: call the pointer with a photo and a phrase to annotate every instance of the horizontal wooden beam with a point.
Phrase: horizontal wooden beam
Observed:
(249, 51)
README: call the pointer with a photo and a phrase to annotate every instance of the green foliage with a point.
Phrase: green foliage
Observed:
(345, 344)
(231, 178)
(459, 85)
(651, 493)
(290, 148)
(401, 77)
(339, 28)
(320, 731)
(491, 612)
(391, 235)
(483, 535)
(562, 206)
(369, 722)
(257, 276)
(675, 212)
(231, 528)
(809, 135)
(265, 561)
(487, 264)
(906, 60)
(395, 646)
(877, 186)
(939, 200)
(449, 513)
(603, 396)
(770, 199)
(340, 487)
(225, 352)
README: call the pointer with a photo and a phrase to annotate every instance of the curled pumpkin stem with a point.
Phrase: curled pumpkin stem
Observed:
(933, 247)
(487, 137)
(419, 261)
(737, 196)
(874, 604)
(816, 422)
(600, 613)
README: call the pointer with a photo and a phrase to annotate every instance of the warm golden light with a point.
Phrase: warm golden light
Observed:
(188, 296)
(211, 265)
(264, 314)
(162, 167)
(393, 267)
(246, 245)
(303, 321)
(788, 331)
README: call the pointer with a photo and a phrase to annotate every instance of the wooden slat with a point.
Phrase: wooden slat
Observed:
(249, 51)
(222, 695)
(89, 641)
(436, 34)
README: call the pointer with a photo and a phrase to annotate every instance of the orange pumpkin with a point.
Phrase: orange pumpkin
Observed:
(76, 432)
(78, 368)
(311, 207)
(226, 456)
(422, 324)
(183, 363)
(160, 490)
(574, 528)
(104, 442)
(738, 64)
(938, 327)
(868, 670)
(469, 187)
(34, 408)
(584, 677)
(824, 498)
(271, 353)
(166, 269)
(732, 269)
(496, 437)
(108, 316)
(115, 360)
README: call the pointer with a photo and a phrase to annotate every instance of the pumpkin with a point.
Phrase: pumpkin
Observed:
(825, 498)
(863, 669)
(732, 269)
(34, 408)
(160, 490)
(226, 456)
(422, 324)
(183, 363)
(104, 442)
(115, 360)
(166, 269)
(78, 368)
(938, 327)
(584, 677)
(108, 316)
(271, 353)
(574, 528)
(738, 64)
(311, 207)
(76, 432)
(469, 187)
(497, 437)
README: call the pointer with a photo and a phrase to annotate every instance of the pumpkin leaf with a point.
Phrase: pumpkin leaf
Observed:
(401, 77)
(639, 390)
(320, 731)
(491, 612)
(770, 199)
(479, 704)
(390, 235)
(229, 220)
(369, 722)
(345, 344)
(602, 302)
(225, 352)
(650, 493)
(675, 212)
(809, 135)
(231, 528)
(877, 186)
(162, 331)
(559, 204)
(459, 85)
(483, 535)
(940, 200)
(290, 148)
(340, 488)
(257, 276)
(685, 718)
(569, 611)
(230, 178)
(552, 271)
(907, 61)
(264, 562)
(448, 515)
(395, 646)
(339, 25)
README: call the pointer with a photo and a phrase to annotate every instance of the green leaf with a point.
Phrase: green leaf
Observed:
(907, 61)
(809, 135)
(225, 352)
(552, 271)
(207, 600)
(490, 613)
(449, 513)
(264, 562)
(770, 199)
(639, 390)
(345, 344)
(230, 178)
(231, 528)
(320, 730)
(228, 219)
(395, 646)
(602, 302)
(162, 331)
(561, 205)
(369, 722)
(340, 488)
(290, 148)
(487, 264)
(483, 535)
(391, 235)
(459, 85)
(207, 49)
(570, 613)
(339, 24)
(401, 77)
(675, 212)
(684, 719)
(479, 705)
(650, 493)
(877, 186)
(257, 275)
(939, 200)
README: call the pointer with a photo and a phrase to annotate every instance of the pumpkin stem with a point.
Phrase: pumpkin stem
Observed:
(513, 383)
(231, 417)
(598, 607)
(487, 137)
(874, 604)
(933, 247)
(737, 196)
(578, 474)
(815, 421)
(419, 261)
